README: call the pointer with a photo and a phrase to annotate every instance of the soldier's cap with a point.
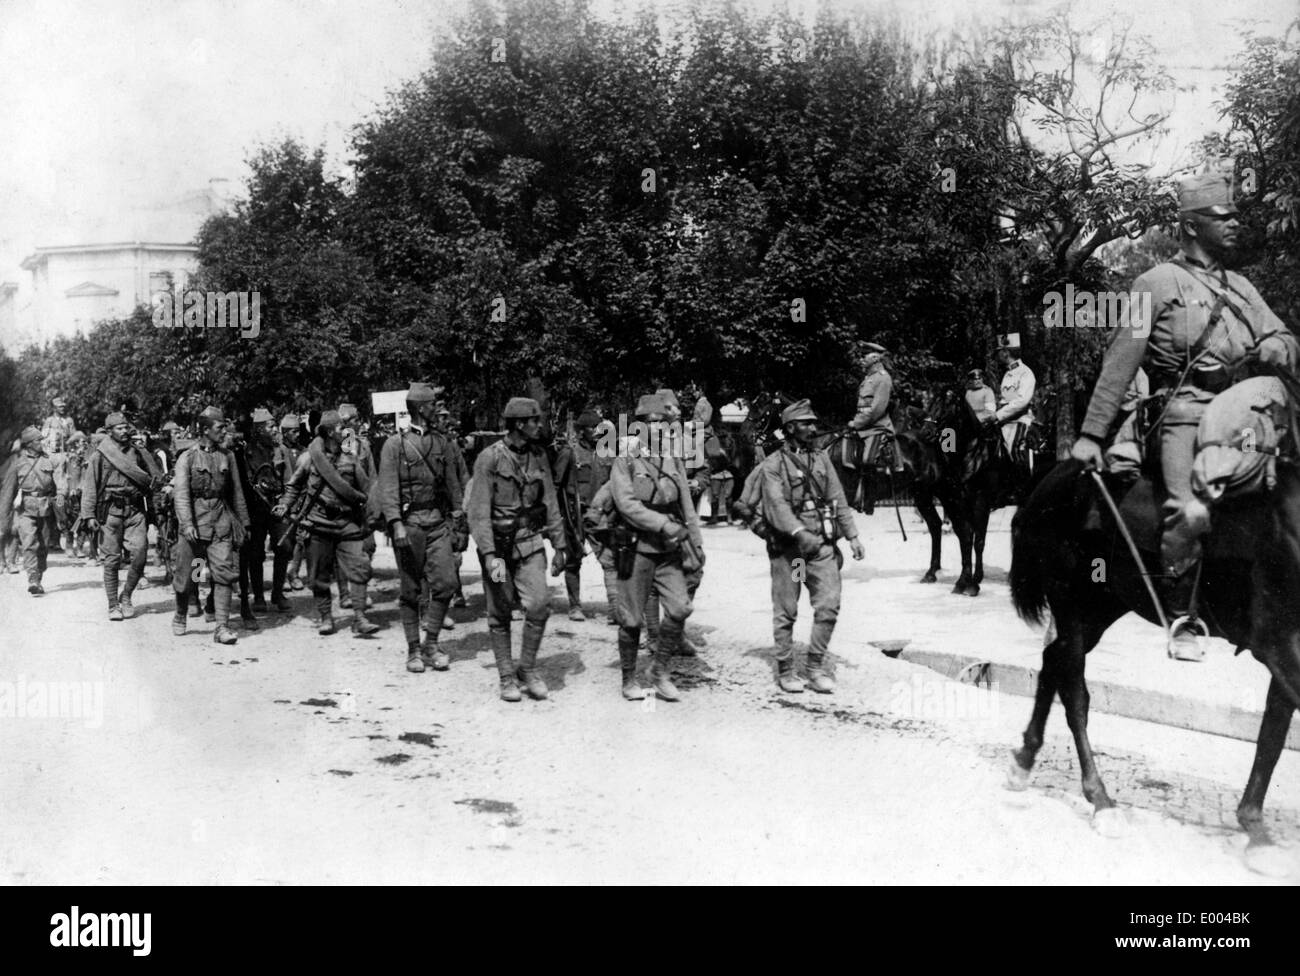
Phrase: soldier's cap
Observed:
(115, 418)
(211, 415)
(58, 401)
(261, 415)
(873, 352)
(30, 435)
(799, 410)
(77, 437)
(521, 408)
(668, 397)
(874, 347)
(330, 418)
(290, 422)
(422, 393)
(1010, 341)
(1209, 193)
(588, 418)
(348, 410)
(170, 425)
(650, 403)
(975, 374)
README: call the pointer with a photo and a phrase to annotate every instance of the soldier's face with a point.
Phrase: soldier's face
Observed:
(120, 433)
(267, 429)
(1217, 234)
(216, 431)
(531, 428)
(804, 431)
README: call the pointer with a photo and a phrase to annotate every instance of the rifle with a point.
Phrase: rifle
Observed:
(296, 519)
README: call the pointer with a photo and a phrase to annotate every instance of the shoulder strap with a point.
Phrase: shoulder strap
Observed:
(817, 491)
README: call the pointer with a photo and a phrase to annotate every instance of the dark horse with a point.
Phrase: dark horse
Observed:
(1250, 578)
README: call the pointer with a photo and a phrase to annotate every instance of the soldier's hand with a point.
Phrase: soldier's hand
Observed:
(855, 545)
(90, 524)
(192, 533)
(558, 560)
(674, 531)
(1088, 451)
(400, 538)
(497, 569)
(279, 511)
(809, 544)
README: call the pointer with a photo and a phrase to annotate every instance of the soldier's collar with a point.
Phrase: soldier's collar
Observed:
(417, 429)
(1212, 266)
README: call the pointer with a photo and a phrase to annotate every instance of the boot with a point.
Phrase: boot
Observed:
(669, 637)
(280, 603)
(433, 655)
(34, 587)
(124, 604)
(362, 625)
(414, 659)
(325, 625)
(221, 609)
(786, 677)
(632, 691)
(179, 618)
(115, 612)
(209, 606)
(505, 665)
(194, 609)
(819, 679)
(246, 615)
(687, 647)
(527, 673)
(178, 625)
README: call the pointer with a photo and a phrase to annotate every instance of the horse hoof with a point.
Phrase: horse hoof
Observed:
(929, 578)
(1269, 860)
(959, 589)
(973, 590)
(1110, 822)
(1017, 777)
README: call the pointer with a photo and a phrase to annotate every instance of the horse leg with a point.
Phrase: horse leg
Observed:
(961, 527)
(1268, 748)
(1075, 698)
(934, 524)
(979, 529)
(1023, 758)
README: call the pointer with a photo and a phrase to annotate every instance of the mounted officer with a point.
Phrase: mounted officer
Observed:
(1205, 328)
(1015, 395)
(872, 422)
(511, 503)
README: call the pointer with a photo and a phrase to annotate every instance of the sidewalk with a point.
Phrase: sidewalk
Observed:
(981, 640)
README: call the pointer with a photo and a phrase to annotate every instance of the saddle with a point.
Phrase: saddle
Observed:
(1234, 527)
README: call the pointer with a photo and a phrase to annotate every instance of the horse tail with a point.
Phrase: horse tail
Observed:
(1038, 538)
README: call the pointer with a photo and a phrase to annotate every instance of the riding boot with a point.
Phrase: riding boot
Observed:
(505, 665)
(627, 643)
(670, 634)
(221, 604)
(362, 625)
(527, 673)
(867, 490)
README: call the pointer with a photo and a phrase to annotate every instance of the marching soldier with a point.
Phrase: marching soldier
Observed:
(9, 451)
(421, 494)
(33, 489)
(1205, 328)
(805, 508)
(119, 480)
(355, 443)
(290, 432)
(579, 473)
(511, 502)
(460, 533)
(212, 522)
(1015, 395)
(598, 526)
(57, 430)
(332, 486)
(657, 523)
(872, 421)
(269, 470)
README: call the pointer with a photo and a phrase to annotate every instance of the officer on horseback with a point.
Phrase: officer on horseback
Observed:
(1202, 331)
(872, 421)
(1015, 394)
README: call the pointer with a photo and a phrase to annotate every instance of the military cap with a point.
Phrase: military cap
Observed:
(115, 418)
(799, 410)
(211, 415)
(77, 437)
(1009, 342)
(874, 353)
(1206, 193)
(261, 415)
(58, 401)
(650, 403)
(170, 426)
(330, 418)
(422, 393)
(290, 422)
(30, 435)
(874, 347)
(975, 374)
(668, 397)
(588, 418)
(521, 408)
(348, 410)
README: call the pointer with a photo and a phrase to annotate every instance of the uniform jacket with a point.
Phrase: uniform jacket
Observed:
(404, 479)
(1015, 394)
(873, 404)
(786, 488)
(1182, 300)
(505, 483)
(329, 514)
(42, 481)
(206, 492)
(982, 402)
(647, 493)
(102, 479)
(579, 473)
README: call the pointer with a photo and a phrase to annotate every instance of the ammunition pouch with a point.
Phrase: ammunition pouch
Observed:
(623, 539)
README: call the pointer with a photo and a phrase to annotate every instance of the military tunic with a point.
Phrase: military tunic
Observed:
(1015, 395)
(209, 499)
(872, 421)
(119, 504)
(42, 482)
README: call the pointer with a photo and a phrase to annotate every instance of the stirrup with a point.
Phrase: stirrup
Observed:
(1179, 650)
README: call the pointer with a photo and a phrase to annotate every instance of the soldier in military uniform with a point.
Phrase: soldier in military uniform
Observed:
(1207, 328)
(334, 485)
(355, 443)
(269, 469)
(212, 519)
(597, 527)
(872, 421)
(460, 530)
(981, 401)
(421, 494)
(652, 500)
(33, 489)
(805, 508)
(511, 502)
(57, 430)
(290, 431)
(72, 504)
(119, 480)
(1015, 394)
(579, 472)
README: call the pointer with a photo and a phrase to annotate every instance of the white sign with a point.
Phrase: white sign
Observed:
(389, 401)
